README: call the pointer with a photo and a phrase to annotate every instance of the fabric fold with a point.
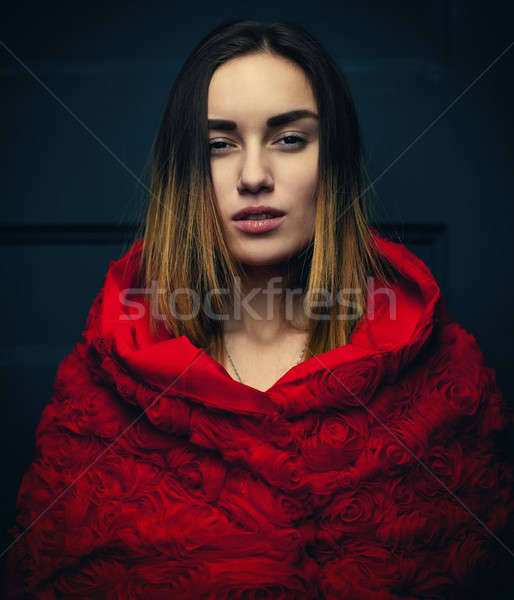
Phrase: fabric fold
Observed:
(379, 469)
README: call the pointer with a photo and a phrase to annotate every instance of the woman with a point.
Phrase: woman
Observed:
(314, 424)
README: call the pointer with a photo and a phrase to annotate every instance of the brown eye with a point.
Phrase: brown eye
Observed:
(293, 141)
(215, 146)
(297, 140)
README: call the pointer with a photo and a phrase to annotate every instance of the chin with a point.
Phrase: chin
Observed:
(259, 261)
(266, 261)
(274, 254)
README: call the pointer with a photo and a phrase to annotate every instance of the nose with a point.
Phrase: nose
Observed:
(255, 173)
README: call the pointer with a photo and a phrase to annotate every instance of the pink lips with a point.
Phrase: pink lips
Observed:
(260, 226)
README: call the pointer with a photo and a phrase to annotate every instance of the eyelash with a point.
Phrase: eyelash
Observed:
(301, 142)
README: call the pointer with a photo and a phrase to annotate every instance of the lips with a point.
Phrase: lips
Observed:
(256, 210)
(258, 226)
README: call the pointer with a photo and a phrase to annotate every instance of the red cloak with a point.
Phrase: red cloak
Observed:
(376, 470)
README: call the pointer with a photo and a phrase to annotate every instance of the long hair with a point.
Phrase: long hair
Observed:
(184, 246)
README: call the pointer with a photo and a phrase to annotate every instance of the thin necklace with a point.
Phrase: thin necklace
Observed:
(234, 366)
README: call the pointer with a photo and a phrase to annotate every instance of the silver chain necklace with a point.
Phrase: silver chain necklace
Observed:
(234, 366)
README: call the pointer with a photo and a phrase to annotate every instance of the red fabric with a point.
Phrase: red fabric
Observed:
(375, 470)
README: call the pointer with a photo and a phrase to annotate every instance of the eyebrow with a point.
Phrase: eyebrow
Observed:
(277, 120)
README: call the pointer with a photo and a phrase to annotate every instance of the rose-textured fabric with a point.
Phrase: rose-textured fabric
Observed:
(379, 469)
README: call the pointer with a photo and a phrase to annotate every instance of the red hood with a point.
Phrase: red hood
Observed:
(181, 368)
(218, 490)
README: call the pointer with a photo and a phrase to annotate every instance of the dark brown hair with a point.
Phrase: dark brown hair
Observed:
(184, 242)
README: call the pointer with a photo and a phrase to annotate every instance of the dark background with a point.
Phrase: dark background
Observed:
(83, 88)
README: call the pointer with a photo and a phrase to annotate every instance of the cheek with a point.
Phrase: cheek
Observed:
(221, 184)
(303, 187)
(303, 174)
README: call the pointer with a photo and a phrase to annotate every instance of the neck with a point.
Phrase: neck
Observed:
(267, 303)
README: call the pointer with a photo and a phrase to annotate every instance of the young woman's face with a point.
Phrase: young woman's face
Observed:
(257, 164)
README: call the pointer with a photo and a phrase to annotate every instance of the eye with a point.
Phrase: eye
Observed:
(296, 144)
(214, 146)
(293, 141)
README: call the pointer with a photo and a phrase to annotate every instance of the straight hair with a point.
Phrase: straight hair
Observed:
(184, 246)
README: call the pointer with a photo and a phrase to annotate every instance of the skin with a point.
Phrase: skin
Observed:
(252, 165)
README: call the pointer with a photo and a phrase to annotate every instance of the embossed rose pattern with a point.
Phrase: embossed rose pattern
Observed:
(383, 482)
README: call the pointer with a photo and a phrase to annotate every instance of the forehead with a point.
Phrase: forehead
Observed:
(258, 85)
